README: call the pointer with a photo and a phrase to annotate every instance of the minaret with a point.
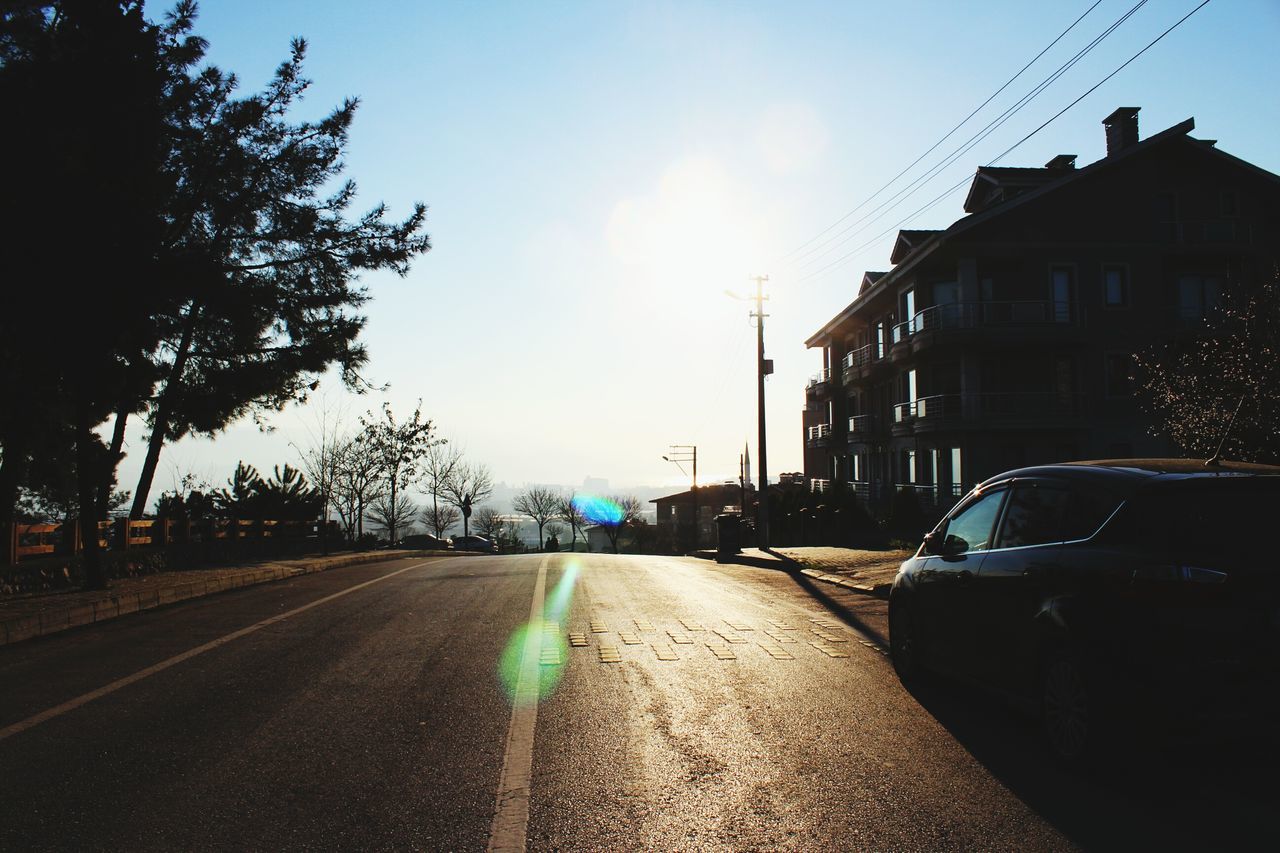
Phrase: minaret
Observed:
(746, 455)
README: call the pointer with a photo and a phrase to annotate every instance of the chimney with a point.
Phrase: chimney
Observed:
(1122, 129)
(1063, 162)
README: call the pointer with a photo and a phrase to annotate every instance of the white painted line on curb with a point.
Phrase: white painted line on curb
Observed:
(511, 820)
(72, 704)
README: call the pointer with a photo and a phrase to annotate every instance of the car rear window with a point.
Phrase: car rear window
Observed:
(1207, 520)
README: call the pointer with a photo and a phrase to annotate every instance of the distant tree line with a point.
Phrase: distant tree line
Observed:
(175, 251)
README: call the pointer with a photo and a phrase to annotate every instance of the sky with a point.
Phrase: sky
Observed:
(599, 174)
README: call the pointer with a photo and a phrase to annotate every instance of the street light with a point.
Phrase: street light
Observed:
(688, 453)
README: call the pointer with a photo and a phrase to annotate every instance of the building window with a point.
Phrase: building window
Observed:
(1115, 286)
(1063, 283)
(1198, 295)
(909, 310)
(1119, 374)
(957, 472)
(880, 339)
(1227, 203)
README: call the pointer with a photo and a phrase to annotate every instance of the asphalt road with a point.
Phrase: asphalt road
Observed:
(409, 705)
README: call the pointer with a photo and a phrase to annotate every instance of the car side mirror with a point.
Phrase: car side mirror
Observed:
(933, 543)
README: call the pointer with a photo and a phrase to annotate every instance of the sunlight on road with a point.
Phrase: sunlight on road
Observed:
(533, 660)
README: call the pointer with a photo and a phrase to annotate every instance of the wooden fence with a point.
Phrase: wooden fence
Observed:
(35, 540)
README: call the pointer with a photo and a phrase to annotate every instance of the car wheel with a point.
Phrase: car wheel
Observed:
(1068, 712)
(904, 648)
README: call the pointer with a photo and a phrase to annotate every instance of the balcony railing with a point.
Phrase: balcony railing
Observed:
(1017, 405)
(857, 358)
(819, 432)
(818, 378)
(819, 485)
(936, 495)
(976, 315)
(861, 425)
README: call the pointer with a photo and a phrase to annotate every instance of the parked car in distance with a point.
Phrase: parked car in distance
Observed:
(1111, 595)
(474, 543)
(425, 541)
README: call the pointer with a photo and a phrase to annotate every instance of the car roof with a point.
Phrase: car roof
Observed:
(1127, 474)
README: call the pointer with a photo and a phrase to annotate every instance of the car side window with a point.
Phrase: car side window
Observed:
(1034, 516)
(1085, 513)
(971, 529)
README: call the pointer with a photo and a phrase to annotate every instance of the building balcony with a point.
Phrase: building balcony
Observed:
(856, 364)
(934, 496)
(821, 382)
(818, 436)
(1015, 321)
(863, 427)
(996, 410)
(820, 486)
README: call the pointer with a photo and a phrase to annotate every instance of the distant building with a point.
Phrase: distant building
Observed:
(793, 479)
(595, 486)
(675, 513)
(1007, 338)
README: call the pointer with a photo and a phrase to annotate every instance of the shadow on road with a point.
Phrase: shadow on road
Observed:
(1191, 795)
(818, 592)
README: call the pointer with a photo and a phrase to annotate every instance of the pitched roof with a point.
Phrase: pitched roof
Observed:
(908, 241)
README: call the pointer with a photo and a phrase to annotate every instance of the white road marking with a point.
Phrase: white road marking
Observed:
(511, 819)
(86, 698)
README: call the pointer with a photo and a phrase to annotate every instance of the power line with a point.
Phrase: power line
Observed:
(910, 189)
(947, 136)
(1095, 86)
(1009, 150)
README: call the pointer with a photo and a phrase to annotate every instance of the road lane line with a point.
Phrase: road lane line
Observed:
(511, 819)
(86, 698)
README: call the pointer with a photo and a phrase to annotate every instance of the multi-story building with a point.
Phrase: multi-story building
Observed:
(1007, 338)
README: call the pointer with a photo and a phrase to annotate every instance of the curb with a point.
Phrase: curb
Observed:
(880, 590)
(56, 620)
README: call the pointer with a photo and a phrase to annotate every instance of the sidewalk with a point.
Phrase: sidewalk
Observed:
(868, 572)
(27, 616)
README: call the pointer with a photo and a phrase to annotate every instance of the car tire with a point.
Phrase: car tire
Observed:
(904, 645)
(1070, 711)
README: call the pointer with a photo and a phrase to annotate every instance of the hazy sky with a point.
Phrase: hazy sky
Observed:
(599, 173)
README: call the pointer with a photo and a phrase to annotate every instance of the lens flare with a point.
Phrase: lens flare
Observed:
(533, 661)
(598, 510)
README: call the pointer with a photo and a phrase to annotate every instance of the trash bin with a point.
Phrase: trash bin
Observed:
(728, 535)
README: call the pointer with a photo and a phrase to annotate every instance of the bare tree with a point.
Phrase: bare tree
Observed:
(358, 483)
(321, 463)
(615, 515)
(440, 518)
(540, 504)
(488, 522)
(438, 465)
(469, 484)
(392, 514)
(570, 513)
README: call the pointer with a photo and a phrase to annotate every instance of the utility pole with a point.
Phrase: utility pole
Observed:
(688, 453)
(762, 369)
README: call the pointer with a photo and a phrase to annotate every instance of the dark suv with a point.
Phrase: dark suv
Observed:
(1104, 593)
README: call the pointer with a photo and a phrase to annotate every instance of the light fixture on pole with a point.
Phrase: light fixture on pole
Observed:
(688, 453)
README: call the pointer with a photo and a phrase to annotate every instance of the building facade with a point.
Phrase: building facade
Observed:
(1007, 339)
